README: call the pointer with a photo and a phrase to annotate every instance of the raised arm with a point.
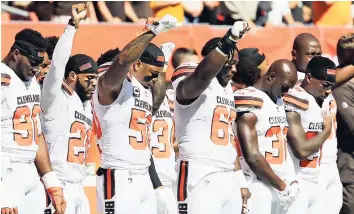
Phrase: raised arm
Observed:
(110, 83)
(195, 84)
(158, 92)
(344, 74)
(160, 87)
(247, 133)
(301, 144)
(54, 79)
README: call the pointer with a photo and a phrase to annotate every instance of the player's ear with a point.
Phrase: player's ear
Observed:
(308, 78)
(271, 77)
(72, 77)
(137, 64)
(15, 54)
(293, 54)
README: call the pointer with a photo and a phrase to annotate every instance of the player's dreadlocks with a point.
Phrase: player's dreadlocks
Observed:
(247, 72)
(108, 56)
(52, 42)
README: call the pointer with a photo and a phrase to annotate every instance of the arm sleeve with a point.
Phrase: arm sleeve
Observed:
(53, 80)
(156, 183)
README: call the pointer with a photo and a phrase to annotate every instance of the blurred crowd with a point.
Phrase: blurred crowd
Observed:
(256, 13)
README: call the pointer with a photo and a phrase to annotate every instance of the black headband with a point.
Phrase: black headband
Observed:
(33, 53)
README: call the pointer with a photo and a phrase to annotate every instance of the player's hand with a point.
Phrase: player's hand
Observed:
(164, 24)
(246, 202)
(327, 119)
(79, 12)
(289, 194)
(7, 210)
(8, 202)
(163, 206)
(239, 29)
(167, 49)
(57, 198)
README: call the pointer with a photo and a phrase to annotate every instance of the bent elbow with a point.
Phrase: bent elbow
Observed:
(252, 158)
(301, 154)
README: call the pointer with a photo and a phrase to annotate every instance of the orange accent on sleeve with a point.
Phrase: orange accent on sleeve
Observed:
(5, 79)
(67, 88)
(299, 103)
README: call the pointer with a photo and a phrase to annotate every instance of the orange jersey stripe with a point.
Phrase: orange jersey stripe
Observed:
(67, 88)
(183, 180)
(5, 79)
(109, 184)
(184, 70)
(181, 71)
(249, 102)
(96, 126)
(296, 102)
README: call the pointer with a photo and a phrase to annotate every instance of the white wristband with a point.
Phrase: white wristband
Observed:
(50, 180)
(241, 179)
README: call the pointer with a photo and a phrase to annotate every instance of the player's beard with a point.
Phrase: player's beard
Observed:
(222, 75)
(81, 92)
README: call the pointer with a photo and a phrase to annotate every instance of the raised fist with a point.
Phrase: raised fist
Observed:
(164, 24)
(239, 29)
(79, 12)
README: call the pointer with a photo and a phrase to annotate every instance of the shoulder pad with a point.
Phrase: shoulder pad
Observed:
(296, 98)
(248, 98)
(182, 70)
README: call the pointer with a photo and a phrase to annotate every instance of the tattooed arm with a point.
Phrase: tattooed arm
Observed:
(110, 83)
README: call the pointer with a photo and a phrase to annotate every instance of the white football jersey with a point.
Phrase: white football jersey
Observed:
(67, 130)
(271, 127)
(123, 137)
(161, 143)
(20, 109)
(299, 101)
(329, 148)
(203, 128)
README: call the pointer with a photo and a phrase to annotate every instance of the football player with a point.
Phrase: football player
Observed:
(204, 111)
(67, 117)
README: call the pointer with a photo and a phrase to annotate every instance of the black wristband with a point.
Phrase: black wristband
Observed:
(155, 180)
(226, 45)
(72, 23)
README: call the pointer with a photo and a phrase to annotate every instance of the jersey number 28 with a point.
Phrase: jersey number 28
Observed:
(78, 145)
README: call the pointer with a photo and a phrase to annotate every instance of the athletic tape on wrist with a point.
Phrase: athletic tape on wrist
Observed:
(241, 179)
(226, 45)
(50, 180)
